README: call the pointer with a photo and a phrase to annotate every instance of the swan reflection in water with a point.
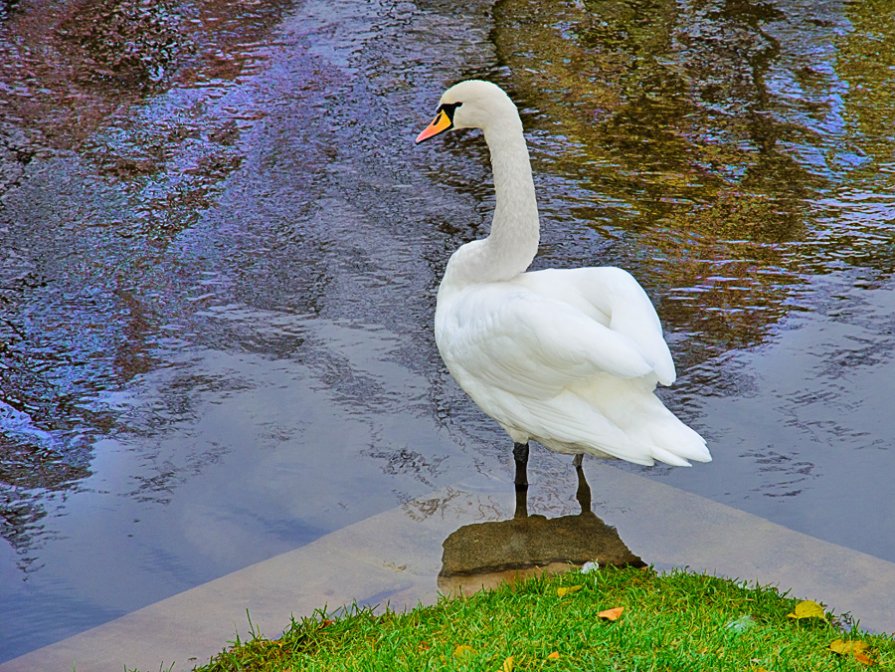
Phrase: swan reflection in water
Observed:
(483, 555)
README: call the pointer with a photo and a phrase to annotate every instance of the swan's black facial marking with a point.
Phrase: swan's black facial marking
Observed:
(443, 121)
(449, 109)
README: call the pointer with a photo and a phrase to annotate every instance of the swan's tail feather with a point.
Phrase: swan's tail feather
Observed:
(653, 432)
(671, 436)
(668, 457)
(621, 419)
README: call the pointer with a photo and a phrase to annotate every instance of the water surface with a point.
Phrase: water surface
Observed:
(223, 250)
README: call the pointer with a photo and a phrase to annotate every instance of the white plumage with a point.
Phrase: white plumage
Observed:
(568, 358)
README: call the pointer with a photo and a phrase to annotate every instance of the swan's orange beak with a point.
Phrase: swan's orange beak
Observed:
(440, 124)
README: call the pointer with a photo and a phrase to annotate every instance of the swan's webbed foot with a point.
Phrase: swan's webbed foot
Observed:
(520, 455)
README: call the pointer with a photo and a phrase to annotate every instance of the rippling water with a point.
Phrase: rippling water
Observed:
(222, 253)
(739, 159)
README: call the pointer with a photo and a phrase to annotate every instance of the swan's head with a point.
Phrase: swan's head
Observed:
(471, 104)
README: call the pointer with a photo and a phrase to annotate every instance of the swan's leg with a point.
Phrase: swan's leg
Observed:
(520, 454)
(521, 502)
(583, 492)
(579, 458)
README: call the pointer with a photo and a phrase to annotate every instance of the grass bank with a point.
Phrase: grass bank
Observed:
(668, 622)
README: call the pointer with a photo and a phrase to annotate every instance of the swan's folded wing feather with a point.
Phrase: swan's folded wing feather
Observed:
(532, 345)
(617, 296)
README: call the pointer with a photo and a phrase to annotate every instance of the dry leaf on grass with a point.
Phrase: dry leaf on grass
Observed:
(463, 650)
(567, 590)
(611, 614)
(808, 609)
(865, 659)
(848, 647)
(855, 648)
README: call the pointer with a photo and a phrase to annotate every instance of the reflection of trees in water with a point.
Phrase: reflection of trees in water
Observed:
(865, 57)
(702, 130)
(485, 554)
(859, 217)
(46, 425)
(82, 299)
(30, 474)
(32, 464)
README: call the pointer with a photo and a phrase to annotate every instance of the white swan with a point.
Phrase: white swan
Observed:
(568, 358)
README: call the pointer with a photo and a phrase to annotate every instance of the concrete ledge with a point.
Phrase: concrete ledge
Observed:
(669, 527)
(395, 557)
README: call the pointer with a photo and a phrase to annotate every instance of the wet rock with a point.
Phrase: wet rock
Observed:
(534, 541)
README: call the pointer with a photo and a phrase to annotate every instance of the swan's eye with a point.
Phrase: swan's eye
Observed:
(449, 109)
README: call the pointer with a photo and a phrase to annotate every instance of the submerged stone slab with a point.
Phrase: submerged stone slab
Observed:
(395, 558)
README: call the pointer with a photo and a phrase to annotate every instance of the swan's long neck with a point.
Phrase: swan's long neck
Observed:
(515, 229)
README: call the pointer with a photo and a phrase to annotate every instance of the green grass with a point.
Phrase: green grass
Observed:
(677, 621)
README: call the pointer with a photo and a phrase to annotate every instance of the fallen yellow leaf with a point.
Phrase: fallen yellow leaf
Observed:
(611, 614)
(507, 665)
(847, 647)
(854, 647)
(567, 590)
(808, 609)
(553, 655)
(463, 650)
(864, 658)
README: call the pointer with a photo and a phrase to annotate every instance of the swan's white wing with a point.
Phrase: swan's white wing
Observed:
(569, 358)
(614, 297)
(529, 344)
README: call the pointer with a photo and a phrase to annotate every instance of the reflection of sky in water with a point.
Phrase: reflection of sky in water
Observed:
(218, 299)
